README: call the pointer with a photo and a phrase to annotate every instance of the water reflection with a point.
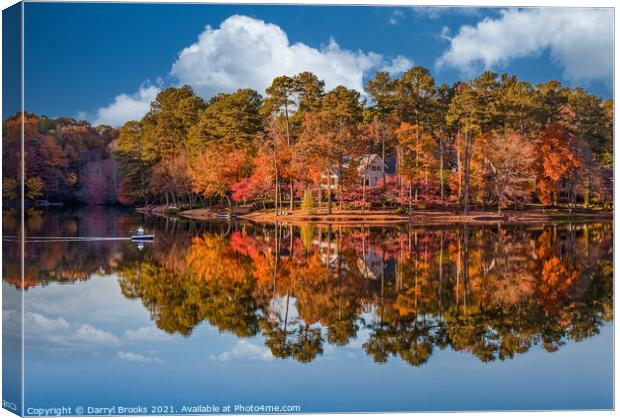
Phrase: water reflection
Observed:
(493, 291)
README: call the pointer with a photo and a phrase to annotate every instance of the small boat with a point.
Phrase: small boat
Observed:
(45, 204)
(141, 236)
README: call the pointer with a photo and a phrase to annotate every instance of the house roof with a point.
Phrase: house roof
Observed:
(366, 160)
(363, 162)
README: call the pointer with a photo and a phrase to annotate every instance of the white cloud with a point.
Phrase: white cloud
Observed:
(244, 350)
(138, 358)
(91, 335)
(146, 334)
(126, 107)
(247, 52)
(579, 40)
(48, 325)
(398, 65)
(445, 34)
(98, 301)
(436, 11)
(59, 335)
(396, 17)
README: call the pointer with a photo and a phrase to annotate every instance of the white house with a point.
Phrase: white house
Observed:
(328, 251)
(370, 168)
(370, 265)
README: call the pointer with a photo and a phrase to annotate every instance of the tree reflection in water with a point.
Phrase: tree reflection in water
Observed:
(491, 290)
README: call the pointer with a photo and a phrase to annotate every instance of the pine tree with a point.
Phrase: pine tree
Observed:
(307, 202)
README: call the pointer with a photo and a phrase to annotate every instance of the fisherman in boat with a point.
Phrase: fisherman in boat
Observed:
(141, 236)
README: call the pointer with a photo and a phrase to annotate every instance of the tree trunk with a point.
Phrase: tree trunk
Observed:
(459, 165)
(288, 133)
(417, 158)
(499, 202)
(441, 180)
(329, 192)
(383, 152)
(588, 192)
(410, 193)
(280, 198)
(340, 186)
(467, 158)
(229, 203)
(275, 198)
(399, 165)
(363, 193)
(291, 191)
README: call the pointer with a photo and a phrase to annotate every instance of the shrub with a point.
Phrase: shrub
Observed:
(307, 202)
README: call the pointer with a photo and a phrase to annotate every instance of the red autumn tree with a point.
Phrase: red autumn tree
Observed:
(557, 161)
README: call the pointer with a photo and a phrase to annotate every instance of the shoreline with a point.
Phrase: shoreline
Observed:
(387, 217)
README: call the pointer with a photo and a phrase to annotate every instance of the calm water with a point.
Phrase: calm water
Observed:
(329, 319)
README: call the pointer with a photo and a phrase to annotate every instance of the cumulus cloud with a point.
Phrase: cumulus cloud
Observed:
(138, 358)
(97, 301)
(579, 40)
(247, 52)
(244, 52)
(244, 350)
(126, 107)
(59, 334)
(146, 334)
(398, 65)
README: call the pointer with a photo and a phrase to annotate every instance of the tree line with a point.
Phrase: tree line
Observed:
(64, 160)
(495, 141)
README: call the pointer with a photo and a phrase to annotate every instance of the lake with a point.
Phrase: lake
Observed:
(316, 318)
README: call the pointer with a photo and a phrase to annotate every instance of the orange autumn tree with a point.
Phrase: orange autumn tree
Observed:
(510, 158)
(316, 151)
(417, 161)
(171, 177)
(557, 161)
(214, 171)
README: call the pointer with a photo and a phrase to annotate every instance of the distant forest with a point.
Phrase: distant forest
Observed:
(66, 160)
(494, 141)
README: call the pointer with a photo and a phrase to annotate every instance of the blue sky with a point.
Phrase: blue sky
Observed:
(105, 62)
